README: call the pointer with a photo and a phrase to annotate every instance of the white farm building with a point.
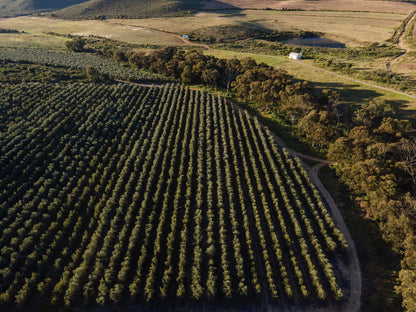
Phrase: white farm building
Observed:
(295, 56)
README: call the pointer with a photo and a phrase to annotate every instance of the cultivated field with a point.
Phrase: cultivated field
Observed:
(332, 5)
(114, 194)
(349, 27)
(46, 27)
(77, 61)
(352, 28)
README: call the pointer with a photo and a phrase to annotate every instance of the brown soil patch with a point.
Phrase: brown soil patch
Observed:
(406, 67)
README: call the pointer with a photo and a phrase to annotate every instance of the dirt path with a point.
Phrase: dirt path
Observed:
(401, 42)
(353, 265)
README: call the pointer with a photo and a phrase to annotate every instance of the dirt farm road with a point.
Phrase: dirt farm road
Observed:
(401, 42)
(353, 265)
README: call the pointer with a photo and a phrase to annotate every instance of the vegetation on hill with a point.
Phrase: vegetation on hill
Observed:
(8, 31)
(232, 33)
(23, 7)
(130, 194)
(102, 9)
(377, 160)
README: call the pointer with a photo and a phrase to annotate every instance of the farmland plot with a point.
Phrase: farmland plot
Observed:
(114, 194)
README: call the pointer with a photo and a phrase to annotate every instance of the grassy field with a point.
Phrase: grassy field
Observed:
(38, 33)
(354, 94)
(353, 28)
(406, 65)
(32, 41)
(337, 5)
(40, 26)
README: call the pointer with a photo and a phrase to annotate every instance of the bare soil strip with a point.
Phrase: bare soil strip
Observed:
(353, 265)
(402, 43)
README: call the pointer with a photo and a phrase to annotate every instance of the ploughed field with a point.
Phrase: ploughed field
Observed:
(115, 194)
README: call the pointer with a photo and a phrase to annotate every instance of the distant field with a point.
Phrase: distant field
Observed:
(32, 41)
(348, 5)
(406, 65)
(40, 26)
(349, 27)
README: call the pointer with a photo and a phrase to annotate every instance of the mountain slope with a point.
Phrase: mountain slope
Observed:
(23, 7)
(128, 9)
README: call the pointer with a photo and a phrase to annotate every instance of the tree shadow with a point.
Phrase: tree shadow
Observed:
(216, 5)
(228, 10)
(404, 112)
(351, 95)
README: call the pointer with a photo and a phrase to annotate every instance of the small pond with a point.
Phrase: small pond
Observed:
(315, 42)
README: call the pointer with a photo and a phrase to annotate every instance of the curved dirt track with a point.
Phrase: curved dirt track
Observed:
(402, 43)
(353, 265)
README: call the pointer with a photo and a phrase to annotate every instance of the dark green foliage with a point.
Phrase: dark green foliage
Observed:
(377, 161)
(232, 33)
(120, 193)
(8, 31)
(75, 45)
(12, 72)
(78, 61)
(94, 75)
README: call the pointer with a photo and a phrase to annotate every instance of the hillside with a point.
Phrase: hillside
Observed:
(22, 7)
(83, 9)
(128, 9)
